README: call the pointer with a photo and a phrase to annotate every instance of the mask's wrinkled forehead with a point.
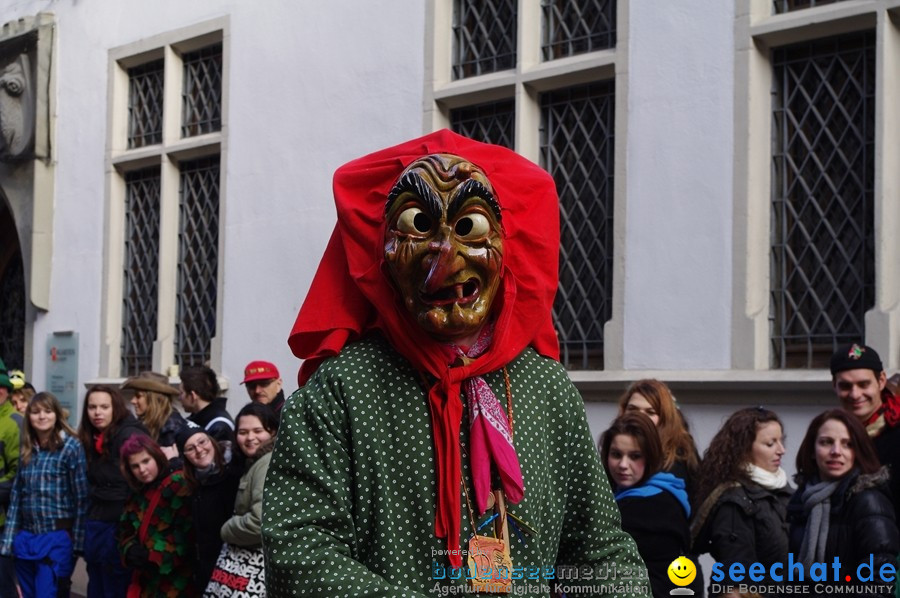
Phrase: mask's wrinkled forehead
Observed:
(431, 176)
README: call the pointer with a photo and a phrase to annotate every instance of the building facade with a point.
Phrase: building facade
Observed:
(727, 175)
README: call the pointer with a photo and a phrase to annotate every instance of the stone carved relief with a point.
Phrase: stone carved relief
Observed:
(17, 107)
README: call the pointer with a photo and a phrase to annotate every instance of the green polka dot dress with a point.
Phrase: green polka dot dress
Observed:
(350, 494)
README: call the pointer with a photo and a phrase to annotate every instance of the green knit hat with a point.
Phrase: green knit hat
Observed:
(4, 377)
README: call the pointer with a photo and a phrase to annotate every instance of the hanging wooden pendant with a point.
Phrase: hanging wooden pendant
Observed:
(490, 567)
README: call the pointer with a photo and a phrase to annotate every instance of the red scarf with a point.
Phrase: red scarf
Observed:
(352, 294)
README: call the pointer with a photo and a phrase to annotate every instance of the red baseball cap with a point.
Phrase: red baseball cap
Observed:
(260, 370)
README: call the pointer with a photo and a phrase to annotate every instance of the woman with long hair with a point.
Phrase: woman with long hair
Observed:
(106, 423)
(653, 503)
(679, 452)
(156, 528)
(842, 507)
(48, 508)
(212, 472)
(257, 425)
(153, 400)
(743, 492)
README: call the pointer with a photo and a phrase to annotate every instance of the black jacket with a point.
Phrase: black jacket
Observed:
(215, 419)
(170, 429)
(862, 523)
(659, 527)
(744, 523)
(212, 505)
(887, 445)
(108, 488)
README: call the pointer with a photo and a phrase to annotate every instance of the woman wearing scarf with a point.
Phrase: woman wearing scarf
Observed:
(653, 503)
(843, 507)
(743, 492)
(106, 423)
(435, 422)
(212, 472)
(156, 529)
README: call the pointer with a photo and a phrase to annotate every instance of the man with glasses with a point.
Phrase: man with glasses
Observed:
(263, 384)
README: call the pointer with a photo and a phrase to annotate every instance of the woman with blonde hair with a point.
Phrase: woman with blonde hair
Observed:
(153, 400)
(679, 452)
(45, 523)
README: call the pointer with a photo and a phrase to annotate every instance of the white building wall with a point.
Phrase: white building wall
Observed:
(312, 85)
(679, 185)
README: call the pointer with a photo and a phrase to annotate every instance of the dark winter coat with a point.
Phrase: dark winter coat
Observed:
(743, 523)
(862, 522)
(887, 445)
(169, 431)
(212, 504)
(659, 526)
(215, 419)
(108, 488)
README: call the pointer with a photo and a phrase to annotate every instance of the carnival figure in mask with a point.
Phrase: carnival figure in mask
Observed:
(436, 441)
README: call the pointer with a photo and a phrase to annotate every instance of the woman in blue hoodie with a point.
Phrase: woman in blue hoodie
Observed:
(653, 503)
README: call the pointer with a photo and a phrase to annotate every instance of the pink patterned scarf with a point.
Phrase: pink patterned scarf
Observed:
(490, 437)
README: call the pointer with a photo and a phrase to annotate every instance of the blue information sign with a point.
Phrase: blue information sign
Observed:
(62, 370)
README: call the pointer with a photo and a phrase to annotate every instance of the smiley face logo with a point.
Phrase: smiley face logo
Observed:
(682, 571)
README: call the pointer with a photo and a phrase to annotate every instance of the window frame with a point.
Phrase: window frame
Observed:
(758, 31)
(531, 76)
(167, 156)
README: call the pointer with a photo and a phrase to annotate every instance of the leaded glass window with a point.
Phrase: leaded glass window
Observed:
(573, 27)
(491, 122)
(141, 277)
(198, 260)
(577, 148)
(484, 36)
(789, 5)
(823, 256)
(202, 93)
(145, 104)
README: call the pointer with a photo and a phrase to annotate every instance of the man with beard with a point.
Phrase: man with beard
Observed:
(431, 308)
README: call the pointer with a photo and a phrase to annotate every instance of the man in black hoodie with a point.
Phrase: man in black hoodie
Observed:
(200, 397)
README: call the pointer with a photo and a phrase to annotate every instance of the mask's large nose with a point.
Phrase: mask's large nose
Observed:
(443, 263)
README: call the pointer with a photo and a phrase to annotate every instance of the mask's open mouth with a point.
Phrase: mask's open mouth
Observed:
(461, 293)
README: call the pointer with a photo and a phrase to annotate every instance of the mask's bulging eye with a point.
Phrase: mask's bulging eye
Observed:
(413, 221)
(472, 226)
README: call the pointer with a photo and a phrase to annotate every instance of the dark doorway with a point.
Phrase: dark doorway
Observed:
(12, 292)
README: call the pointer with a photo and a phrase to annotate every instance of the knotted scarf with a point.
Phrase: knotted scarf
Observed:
(888, 414)
(817, 506)
(352, 294)
(490, 436)
(767, 479)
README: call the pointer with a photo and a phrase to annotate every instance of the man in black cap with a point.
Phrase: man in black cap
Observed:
(860, 383)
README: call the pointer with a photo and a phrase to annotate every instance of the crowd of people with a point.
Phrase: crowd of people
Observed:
(738, 504)
(154, 502)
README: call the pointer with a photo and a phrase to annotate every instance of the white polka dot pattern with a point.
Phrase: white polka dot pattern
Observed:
(350, 493)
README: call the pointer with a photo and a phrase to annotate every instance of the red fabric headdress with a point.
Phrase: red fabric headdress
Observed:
(352, 294)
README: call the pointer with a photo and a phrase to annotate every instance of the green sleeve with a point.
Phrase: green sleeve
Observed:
(308, 527)
(244, 529)
(594, 549)
(9, 441)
